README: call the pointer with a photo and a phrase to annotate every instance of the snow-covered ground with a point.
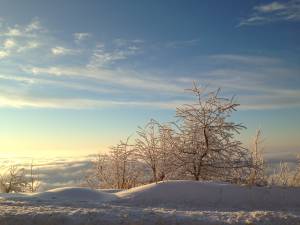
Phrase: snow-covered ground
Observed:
(171, 202)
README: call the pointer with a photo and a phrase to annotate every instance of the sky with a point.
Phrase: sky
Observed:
(78, 76)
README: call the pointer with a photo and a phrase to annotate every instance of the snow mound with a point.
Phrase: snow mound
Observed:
(76, 194)
(212, 195)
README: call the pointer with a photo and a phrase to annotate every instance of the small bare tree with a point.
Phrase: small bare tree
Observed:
(153, 147)
(100, 175)
(118, 169)
(33, 179)
(257, 174)
(148, 146)
(207, 148)
(122, 160)
(166, 162)
(13, 179)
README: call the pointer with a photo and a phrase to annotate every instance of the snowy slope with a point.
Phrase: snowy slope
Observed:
(210, 195)
(75, 194)
(168, 203)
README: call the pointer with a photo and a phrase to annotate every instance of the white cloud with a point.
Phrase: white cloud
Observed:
(57, 83)
(102, 57)
(20, 38)
(102, 72)
(9, 43)
(271, 7)
(120, 42)
(31, 29)
(23, 101)
(59, 50)
(34, 25)
(118, 77)
(17, 78)
(183, 43)
(29, 45)
(246, 59)
(78, 37)
(272, 12)
(13, 32)
(270, 101)
(3, 54)
(274, 99)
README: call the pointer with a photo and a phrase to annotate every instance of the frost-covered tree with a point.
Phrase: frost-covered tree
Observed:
(117, 169)
(206, 144)
(13, 179)
(296, 176)
(257, 170)
(100, 174)
(285, 176)
(33, 179)
(153, 147)
(166, 162)
(122, 162)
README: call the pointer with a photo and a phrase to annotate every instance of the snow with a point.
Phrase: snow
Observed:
(170, 202)
(70, 194)
(211, 195)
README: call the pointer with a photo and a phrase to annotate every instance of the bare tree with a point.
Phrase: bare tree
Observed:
(257, 174)
(206, 144)
(118, 169)
(148, 147)
(100, 175)
(13, 179)
(122, 160)
(33, 180)
(153, 147)
(166, 162)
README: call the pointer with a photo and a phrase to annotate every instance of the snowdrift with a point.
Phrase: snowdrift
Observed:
(170, 202)
(210, 195)
(74, 194)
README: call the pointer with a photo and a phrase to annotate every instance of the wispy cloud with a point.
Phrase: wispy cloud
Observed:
(183, 43)
(9, 43)
(3, 54)
(23, 101)
(20, 38)
(29, 30)
(79, 37)
(273, 12)
(124, 78)
(103, 74)
(246, 59)
(271, 7)
(29, 45)
(120, 50)
(59, 50)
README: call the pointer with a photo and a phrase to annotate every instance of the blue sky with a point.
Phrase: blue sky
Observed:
(76, 76)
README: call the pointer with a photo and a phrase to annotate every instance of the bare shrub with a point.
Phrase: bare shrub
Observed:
(285, 176)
